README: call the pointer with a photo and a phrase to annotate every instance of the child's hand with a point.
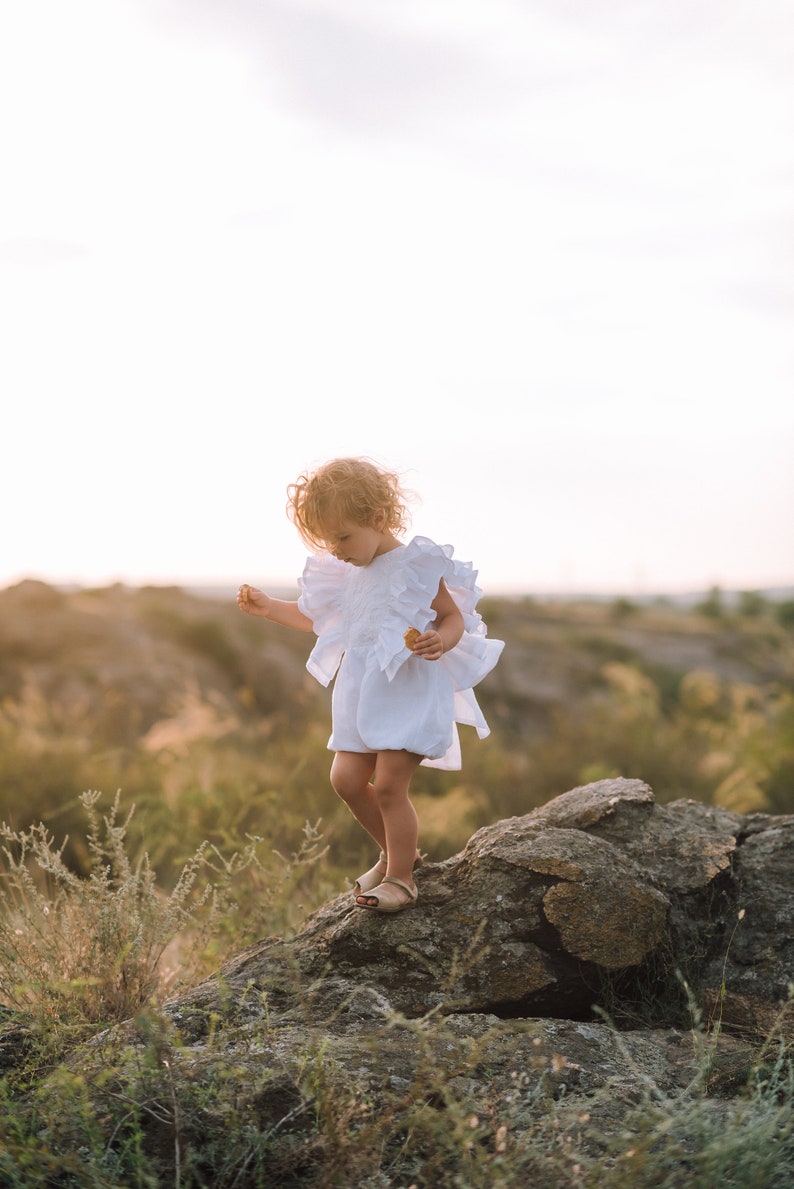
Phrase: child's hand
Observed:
(429, 646)
(252, 601)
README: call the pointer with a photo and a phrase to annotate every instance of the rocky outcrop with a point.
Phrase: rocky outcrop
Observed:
(599, 898)
(562, 957)
(541, 995)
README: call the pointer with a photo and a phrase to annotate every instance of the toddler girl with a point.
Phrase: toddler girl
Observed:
(398, 695)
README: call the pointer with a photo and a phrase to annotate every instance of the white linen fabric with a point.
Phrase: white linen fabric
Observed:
(385, 697)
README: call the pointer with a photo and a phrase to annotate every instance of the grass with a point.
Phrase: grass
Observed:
(157, 1114)
(81, 951)
(698, 1140)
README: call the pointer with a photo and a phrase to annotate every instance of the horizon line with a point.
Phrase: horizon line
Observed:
(510, 589)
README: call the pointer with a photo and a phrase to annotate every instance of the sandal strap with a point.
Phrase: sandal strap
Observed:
(398, 883)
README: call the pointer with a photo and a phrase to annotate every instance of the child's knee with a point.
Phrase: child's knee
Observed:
(346, 784)
(344, 789)
(339, 783)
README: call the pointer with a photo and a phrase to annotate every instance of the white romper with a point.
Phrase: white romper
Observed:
(385, 697)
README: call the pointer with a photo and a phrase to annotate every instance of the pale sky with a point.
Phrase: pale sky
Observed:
(536, 254)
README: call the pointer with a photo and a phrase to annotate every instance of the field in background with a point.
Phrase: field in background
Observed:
(207, 721)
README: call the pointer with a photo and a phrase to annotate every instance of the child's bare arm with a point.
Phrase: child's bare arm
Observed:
(445, 632)
(283, 611)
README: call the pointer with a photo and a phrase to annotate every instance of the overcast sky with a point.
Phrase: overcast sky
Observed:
(537, 255)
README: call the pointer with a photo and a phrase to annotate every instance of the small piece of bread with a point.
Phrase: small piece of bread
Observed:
(410, 637)
(245, 591)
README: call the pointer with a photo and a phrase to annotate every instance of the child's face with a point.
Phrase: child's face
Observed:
(358, 544)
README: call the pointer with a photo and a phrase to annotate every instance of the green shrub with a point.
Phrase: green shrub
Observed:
(713, 605)
(83, 950)
(784, 613)
(752, 604)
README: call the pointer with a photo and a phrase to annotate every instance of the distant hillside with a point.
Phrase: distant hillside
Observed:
(196, 710)
(138, 648)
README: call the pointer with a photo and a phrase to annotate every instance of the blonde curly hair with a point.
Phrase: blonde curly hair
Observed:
(345, 489)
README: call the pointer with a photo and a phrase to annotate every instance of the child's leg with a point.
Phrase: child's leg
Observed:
(350, 773)
(393, 773)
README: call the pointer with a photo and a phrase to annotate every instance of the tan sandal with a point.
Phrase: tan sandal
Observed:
(370, 879)
(388, 901)
(374, 877)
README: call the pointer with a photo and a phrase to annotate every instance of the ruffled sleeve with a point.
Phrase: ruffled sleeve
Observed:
(414, 586)
(322, 586)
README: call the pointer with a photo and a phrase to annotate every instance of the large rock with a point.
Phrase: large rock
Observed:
(485, 996)
(598, 898)
(479, 1006)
